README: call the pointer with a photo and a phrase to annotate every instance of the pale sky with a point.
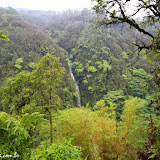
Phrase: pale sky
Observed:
(55, 5)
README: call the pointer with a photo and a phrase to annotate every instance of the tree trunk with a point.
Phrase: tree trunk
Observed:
(50, 116)
(51, 127)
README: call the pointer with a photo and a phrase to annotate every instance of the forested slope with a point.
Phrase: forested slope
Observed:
(27, 45)
(39, 114)
(100, 56)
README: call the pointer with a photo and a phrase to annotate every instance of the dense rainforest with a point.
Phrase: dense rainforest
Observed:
(44, 57)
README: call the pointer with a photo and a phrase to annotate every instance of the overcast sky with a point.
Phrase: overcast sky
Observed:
(56, 5)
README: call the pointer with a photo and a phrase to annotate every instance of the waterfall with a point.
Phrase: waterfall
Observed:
(77, 87)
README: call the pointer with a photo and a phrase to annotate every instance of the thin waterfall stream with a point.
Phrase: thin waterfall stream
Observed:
(77, 87)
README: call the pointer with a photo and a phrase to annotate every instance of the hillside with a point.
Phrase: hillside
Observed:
(27, 45)
(70, 89)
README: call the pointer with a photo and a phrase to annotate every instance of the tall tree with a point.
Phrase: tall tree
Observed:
(49, 72)
(35, 91)
(138, 83)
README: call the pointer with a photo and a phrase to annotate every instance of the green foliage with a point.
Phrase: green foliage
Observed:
(94, 132)
(32, 120)
(98, 134)
(98, 57)
(18, 63)
(92, 69)
(27, 89)
(16, 133)
(100, 105)
(35, 91)
(31, 65)
(99, 67)
(105, 66)
(106, 75)
(4, 35)
(133, 128)
(114, 97)
(148, 26)
(16, 93)
(117, 99)
(57, 151)
(48, 73)
(78, 69)
(28, 43)
(138, 84)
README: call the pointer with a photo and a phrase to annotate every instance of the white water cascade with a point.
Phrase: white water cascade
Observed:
(77, 87)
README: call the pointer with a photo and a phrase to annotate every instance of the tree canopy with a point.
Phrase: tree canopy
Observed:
(125, 12)
(39, 114)
(121, 11)
(4, 35)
